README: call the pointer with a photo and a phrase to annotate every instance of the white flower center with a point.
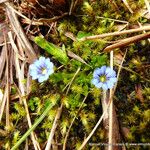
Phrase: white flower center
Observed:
(44, 71)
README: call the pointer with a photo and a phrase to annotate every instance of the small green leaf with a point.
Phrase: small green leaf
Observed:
(52, 49)
(82, 34)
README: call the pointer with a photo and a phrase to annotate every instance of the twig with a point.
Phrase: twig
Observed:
(43, 21)
(55, 123)
(115, 20)
(115, 33)
(71, 7)
(2, 105)
(128, 6)
(126, 68)
(59, 111)
(21, 86)
(7, 84)
(69, 84)
(127, 41)
(100, 120)
(94, 129)
(110, 135)
(20, 33)
(67, 134)
(147, 5)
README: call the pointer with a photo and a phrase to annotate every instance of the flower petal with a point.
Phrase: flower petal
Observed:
(114, 80)
(50, 71)
(96, 73)
(42, 78)
(110, 85)
(36, 69)
(95, 81)
(99, 85)
(104, 86)
(103, 69)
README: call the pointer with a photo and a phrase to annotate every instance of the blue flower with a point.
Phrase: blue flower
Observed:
(41, 69)
(104, 78)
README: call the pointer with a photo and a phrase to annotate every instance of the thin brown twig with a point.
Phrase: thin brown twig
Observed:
(59, 111)
(28, 49)
(147, 5)
(102, 116)
(129, 70)
(146, 28)
(7, 84)
(127, 41)
(67, 134)
(111, 118)
(22, 89)
(128, 6)
(53, 129)
(43, 21)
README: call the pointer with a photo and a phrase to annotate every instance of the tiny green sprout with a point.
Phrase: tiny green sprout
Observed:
(16, 137)
(87, 7)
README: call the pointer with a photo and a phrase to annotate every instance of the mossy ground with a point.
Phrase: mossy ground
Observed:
(132, 94)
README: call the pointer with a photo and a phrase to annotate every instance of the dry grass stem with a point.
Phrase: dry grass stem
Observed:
(147, 3)
(144, 28)
(7, 84)
(127, 41)
(110, 135)
(102, 116)
(53, 129)
(128, 6)
(20, 33)
(20, 75)
(68, 131)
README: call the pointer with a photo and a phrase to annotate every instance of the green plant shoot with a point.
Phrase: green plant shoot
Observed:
(52, 49)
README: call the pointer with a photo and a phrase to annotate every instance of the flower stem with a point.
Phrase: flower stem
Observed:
(23, 138)
(110, 135)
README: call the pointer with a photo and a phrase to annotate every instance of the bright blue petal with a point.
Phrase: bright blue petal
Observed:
(42, 59)
(99, 85)
(111, 74)
(102, 70)
(50, 71)
(35, 77)
(33, 73)
(41, 79)
(108, 72)
(110, 85)
(35, 69)
(49, 65)
(95, 81)
(32, 66)
(37, 64)
(99, 71)
(96, 73)
(114, 80)
(104, 86)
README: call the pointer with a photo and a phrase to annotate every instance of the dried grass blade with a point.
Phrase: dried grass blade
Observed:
(127, 41)
(20, 33)
(144, 28)
(20, 73)
(2, 61)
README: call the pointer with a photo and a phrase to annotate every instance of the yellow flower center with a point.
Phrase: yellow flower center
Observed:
(102, 78)
(44, 71)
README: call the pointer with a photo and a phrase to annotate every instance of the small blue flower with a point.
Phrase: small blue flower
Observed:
(41, 69)
(104, 78)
